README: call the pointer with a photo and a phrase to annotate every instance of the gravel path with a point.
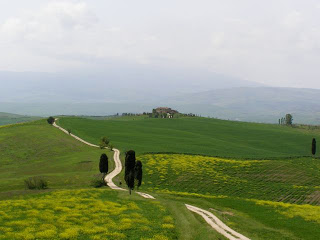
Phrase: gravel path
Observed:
(211, 219)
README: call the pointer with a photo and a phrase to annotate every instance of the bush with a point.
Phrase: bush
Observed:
(50, 120)
(36, 183)
(104, 142)
(98, 181)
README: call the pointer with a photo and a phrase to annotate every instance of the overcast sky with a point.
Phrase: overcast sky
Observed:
(276, 42)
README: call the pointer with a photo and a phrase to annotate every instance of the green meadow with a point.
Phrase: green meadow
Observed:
(259, 179)
(39, 149)
(205, 136)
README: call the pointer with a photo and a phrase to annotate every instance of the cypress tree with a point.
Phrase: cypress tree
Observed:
(314, 147)
(130, 163)
(103, 165)
(138, 173)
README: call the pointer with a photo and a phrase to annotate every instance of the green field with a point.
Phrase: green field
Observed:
(8, 118)
(196, 136)
(39, 149)
(263, 177)
(256, 186)
(291, 181)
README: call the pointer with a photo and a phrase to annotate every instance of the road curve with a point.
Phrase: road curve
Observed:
(211, 219)
(217, 224)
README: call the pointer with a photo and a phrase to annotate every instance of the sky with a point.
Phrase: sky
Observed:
(274, 42)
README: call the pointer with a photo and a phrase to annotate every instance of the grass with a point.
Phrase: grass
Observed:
(39, 149)
(85, 214)
(242, 193)
(196, 136)
(255, 219)
(292, 181)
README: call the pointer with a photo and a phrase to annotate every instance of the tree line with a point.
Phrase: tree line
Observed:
(133, 169)
(287, 120)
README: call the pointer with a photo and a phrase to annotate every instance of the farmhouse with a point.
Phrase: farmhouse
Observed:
(165, 111)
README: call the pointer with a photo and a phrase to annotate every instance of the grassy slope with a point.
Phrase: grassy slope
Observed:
(38, 149)
(8, 118)
(291, 180)
(195, 135)
(232, 188)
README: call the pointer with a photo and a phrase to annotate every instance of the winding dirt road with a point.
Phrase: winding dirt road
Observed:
(211, 219)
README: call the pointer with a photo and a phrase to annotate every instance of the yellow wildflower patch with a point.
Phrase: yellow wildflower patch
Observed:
(87, 213)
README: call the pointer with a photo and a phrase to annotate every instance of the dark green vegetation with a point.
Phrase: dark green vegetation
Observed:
(39, 149)
(130, 163)
(103, 164)
(196, 136)
(50, 120)
(8, 118)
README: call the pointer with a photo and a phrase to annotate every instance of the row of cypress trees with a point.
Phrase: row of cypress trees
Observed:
(133, 169)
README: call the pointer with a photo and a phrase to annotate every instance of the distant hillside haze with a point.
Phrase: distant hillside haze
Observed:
(113, 85)
(137, 90)
(262, 104)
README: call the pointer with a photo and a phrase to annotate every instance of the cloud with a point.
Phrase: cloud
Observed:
(274, 42)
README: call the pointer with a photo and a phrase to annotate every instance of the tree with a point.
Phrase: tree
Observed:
(314, 147)
(288, 119)
(103, 165)
(50, 120)
(138, 172)
(130, 163)
(104, 142)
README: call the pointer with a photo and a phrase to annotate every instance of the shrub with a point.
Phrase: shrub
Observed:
(98, 181)
(50, 120)
(104, 142)
(36, 183)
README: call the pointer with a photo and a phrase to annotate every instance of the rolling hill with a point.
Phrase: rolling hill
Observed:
(196, 136)
(9, 118)
(248, 195)
(256, 104)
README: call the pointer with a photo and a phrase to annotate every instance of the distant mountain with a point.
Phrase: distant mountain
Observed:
(262, 104)
(115, 84)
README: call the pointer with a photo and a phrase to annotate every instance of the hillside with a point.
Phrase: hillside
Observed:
(38, 149)
(242, 193)
(9, 118)
(196, 136)
(263, 199)
(258, 104)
